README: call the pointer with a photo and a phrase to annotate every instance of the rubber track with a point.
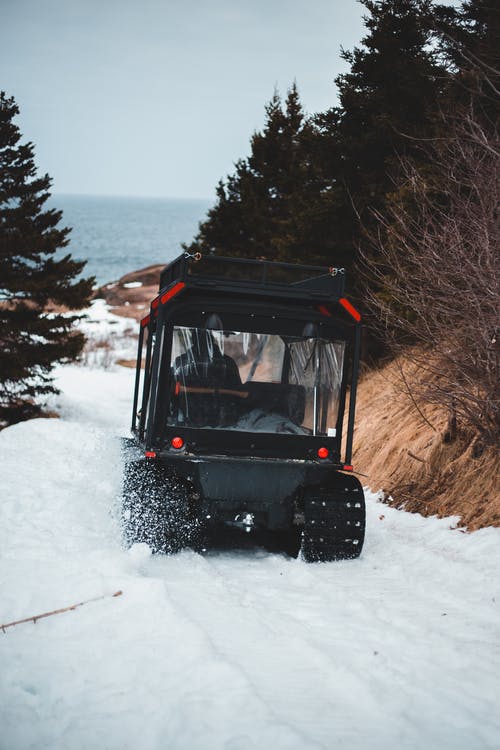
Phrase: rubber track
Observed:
(334, 522)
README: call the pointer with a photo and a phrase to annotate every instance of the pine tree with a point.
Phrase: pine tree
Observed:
(309, 188)
(387, 104)
(32, 340)
(267, 207)
(469, 38)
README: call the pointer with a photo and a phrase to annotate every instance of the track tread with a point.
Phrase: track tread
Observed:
(334, 518)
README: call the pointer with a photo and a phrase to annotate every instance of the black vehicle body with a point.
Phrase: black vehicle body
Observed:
(246, 375)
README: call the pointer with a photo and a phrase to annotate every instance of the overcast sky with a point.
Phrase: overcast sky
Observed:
(160, 97)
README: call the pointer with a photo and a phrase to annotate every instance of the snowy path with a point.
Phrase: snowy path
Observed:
(235, 649)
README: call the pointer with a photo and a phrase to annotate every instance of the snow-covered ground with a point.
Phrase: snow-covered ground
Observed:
(235, 649)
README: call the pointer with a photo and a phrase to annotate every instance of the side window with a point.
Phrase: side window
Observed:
(152, 386)
(317, 365)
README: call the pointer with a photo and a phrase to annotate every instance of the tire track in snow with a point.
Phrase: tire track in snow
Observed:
(291, 675)
(193, 592)
(357, 630)
(232, 650)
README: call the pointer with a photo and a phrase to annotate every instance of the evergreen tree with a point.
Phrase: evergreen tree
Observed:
(387, 105)
(32, 340)
(308, 190)
(267, 207)
(469, 38)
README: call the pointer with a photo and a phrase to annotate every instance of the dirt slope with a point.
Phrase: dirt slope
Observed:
(409, 455)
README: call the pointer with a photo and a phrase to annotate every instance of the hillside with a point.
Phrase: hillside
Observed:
(406, 451)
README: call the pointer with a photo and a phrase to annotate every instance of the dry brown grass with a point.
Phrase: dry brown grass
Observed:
(405, 449)
(131, 363)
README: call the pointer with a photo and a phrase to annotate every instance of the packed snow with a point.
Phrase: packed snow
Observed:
(234, 649)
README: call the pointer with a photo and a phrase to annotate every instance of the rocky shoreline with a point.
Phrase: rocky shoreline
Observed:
(131, 295)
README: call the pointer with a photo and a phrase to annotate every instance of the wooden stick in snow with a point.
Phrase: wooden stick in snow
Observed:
(57, 611)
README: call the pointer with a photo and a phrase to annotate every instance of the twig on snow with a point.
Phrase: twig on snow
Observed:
(35, 618)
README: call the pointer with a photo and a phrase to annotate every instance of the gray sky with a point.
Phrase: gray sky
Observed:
(160, 97)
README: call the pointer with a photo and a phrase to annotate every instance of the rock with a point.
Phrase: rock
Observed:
(131, 295)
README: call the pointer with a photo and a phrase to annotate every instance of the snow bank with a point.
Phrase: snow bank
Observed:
(109, 337)
(235, 649)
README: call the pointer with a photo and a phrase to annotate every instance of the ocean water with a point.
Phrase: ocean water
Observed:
(118, 235)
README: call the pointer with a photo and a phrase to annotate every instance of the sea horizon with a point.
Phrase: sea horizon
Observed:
(62, 194)
(119, 234)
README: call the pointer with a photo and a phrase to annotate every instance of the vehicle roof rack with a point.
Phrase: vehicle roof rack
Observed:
(259, 275)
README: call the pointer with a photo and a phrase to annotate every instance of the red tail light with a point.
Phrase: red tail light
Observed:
(177, 442)
(150, 454)
(323, 452)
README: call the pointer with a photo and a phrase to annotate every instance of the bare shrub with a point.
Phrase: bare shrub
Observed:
(99, 351)
(439, 271)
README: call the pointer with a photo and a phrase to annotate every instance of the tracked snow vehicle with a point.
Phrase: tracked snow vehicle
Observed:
(246, 375)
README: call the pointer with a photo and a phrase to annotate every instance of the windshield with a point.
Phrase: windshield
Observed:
(255, 382)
